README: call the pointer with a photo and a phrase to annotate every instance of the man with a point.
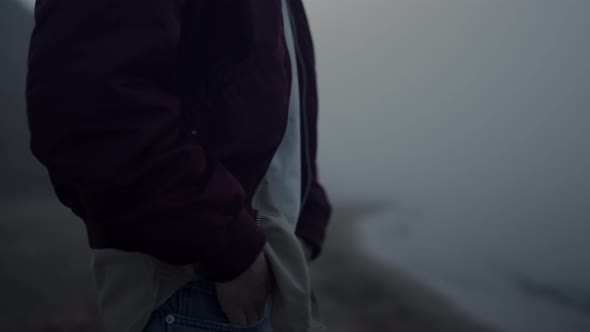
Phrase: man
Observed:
(183, 133)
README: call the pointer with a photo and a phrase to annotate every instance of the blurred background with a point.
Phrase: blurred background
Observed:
(455, 146)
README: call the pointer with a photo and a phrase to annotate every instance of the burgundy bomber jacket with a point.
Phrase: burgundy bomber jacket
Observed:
(157, 119)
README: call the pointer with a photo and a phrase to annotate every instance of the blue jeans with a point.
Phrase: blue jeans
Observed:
(194, 308)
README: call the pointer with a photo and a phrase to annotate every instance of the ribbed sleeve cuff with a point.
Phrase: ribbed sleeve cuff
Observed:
(245, 241)
(313, 235)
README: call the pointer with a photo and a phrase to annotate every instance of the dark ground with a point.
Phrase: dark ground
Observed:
(45, 279)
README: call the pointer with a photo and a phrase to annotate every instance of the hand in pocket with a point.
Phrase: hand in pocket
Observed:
(243, 300)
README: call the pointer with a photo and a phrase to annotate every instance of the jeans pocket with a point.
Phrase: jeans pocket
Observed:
(195, 309)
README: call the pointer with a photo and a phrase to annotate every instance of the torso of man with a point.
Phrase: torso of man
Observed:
(131, 285)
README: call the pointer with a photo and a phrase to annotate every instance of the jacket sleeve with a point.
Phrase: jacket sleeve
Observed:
(314, 218)
(105, 120)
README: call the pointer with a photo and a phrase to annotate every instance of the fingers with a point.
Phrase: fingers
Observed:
(243, 299)
(245, 315)
(243, 318)
(253, 317)
(237, 318)
(261, 310)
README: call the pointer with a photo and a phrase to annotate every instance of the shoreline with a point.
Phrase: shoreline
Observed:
(357, 293)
